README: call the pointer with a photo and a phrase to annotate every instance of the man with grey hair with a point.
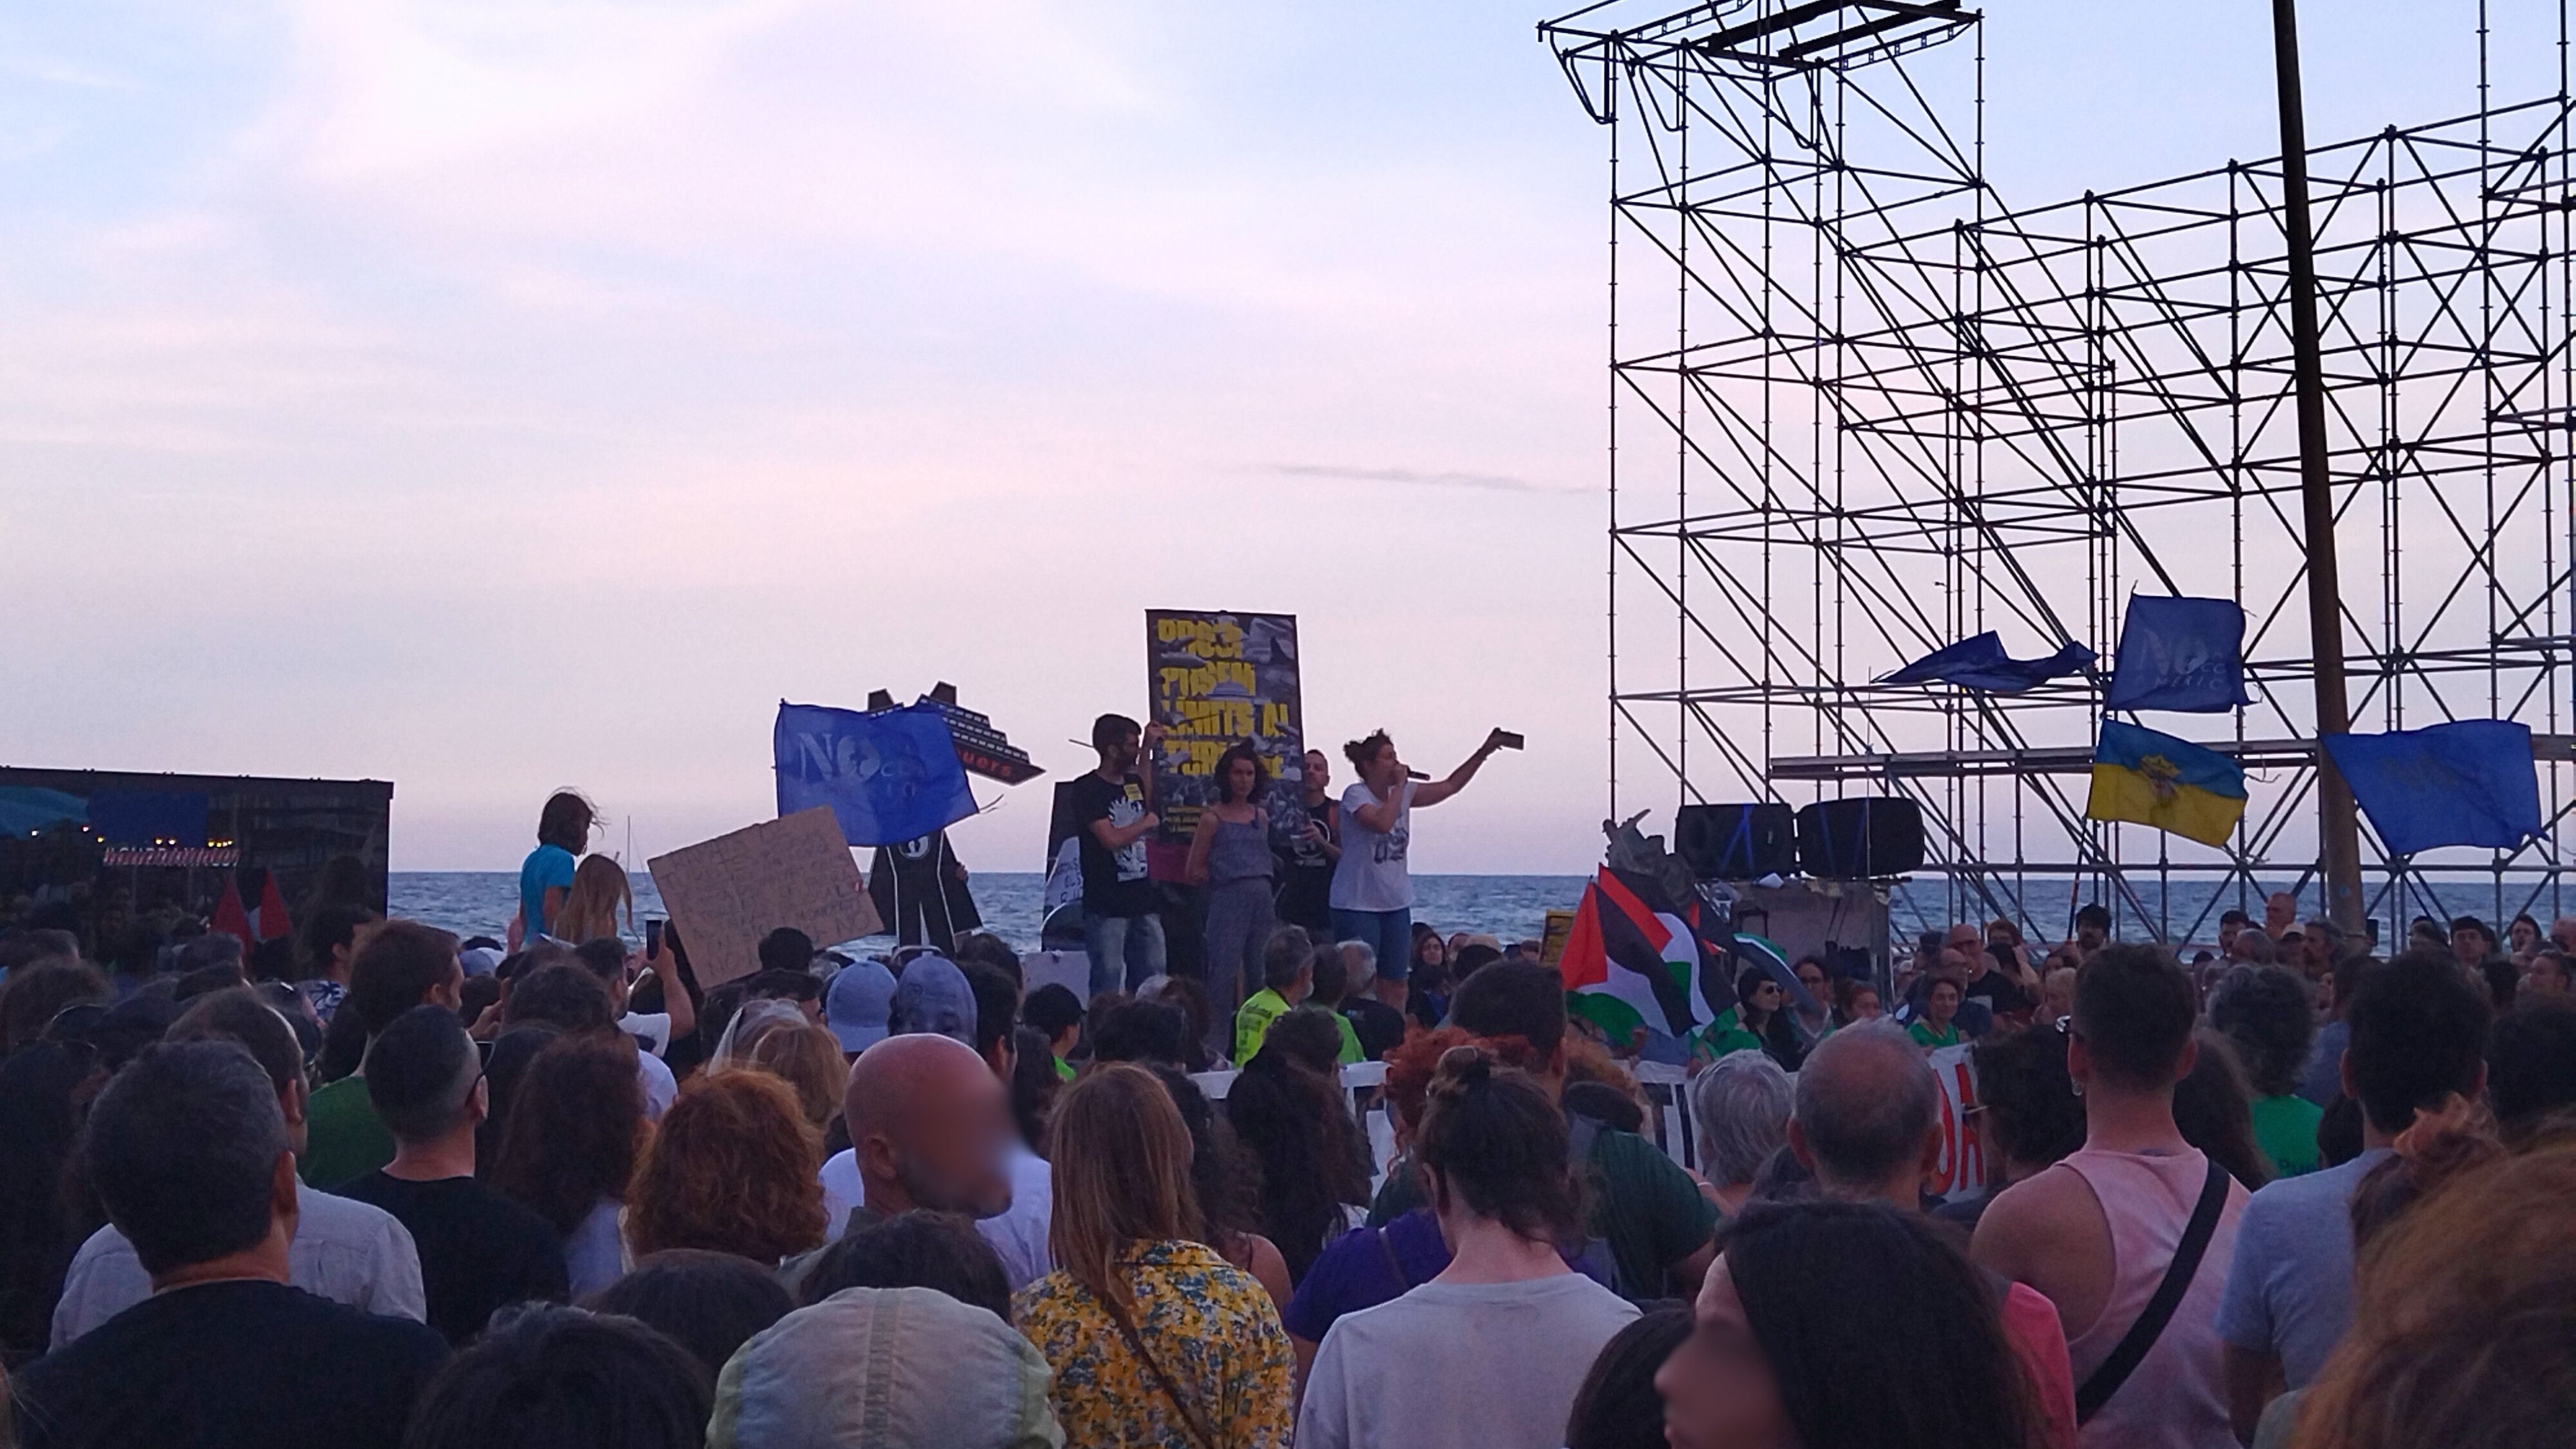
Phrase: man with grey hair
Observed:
(1739, 1116)
(1867, 1122)
(479, 1250)
(1379, 1027)
(190, 1154)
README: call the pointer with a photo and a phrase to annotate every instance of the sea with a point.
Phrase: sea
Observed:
(1515, 907)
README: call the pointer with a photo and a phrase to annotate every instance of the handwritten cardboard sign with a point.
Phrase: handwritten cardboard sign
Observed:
(725, 894)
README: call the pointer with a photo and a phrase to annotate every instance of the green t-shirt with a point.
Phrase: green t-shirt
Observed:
(344, 1139)
(1642, 1205)
(2286, 1129)
(1063, 1068)
(1252, 1022)
(1923, 1033)
(1724, 1035)
(1350, 1040)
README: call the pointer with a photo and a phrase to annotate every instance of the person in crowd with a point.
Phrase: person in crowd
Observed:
(599, 902)
(480, 1251)
(1493, 1350)
(932, 995)
(545, 877)
(2031, 1114)
(505, 1064)
(2097, 1233)
(1205, 1034)
(2056, 996)
(2418, 1036)
(576, 1127)
(2322, 1082)
(2549, 974)
(1758, 1022)
(399, 965)
(708, 1303)
(1617, 1407)
(2531, 1068)
(35, 993)
(572, 999)
(2270, 1017)
(2280, 914)
(1866, 1121)
(1376, 1027)
(609, 960)
(1154, 1340)
(916, 1249)
(1949, 963)
(1845, 1324)
(1056, 1013)
(930, 1130)
(343, 1250)
(1740, 1113)
(805, 1056)
(2213, 1105)
(1645, 1212)
(1430, 982)
(2459, 1322)
(2472, 942)
(1225, 1182)
(1854, 1000)
(1113, 809)
(788, 950)
(732, 1168)
(2007, 984)
(550, 1377)
(859, 1003)
(1314, 1160)
(1230, 858)
(1332, 990)
(2232, 923)
(1938, 1026)
(1312, 843)
(2093, 928)
(1140, 1031)
(1287, 978)
(324, 951)
(1034, 1087)
(187, 1150)
(888, 1368)
(1372, 895)
(1812, 1023)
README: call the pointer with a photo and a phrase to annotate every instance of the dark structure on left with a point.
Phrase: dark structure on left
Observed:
(122, 850)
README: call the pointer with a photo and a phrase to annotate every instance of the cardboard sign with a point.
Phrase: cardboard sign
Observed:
(725, 894)
(1964, 1169)
(1219, 679)
(1560, 927)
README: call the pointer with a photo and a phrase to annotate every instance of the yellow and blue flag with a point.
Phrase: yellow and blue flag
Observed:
(2171, 784)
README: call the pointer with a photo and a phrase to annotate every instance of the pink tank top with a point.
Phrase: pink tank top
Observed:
(2177, 1396)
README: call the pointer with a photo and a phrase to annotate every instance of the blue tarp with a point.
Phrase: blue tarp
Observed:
(2470, 782)
(1981, 663)
(890, 775)
(2180, 654)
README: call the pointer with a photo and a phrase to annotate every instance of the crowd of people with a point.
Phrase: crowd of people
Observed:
(547, 1190)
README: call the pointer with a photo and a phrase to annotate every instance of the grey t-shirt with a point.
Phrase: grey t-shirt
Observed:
(1460, 1366)
(1371, 875)
(2289, 1284)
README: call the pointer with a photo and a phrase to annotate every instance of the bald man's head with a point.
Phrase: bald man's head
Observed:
(1866, 1106)
(931, 1127)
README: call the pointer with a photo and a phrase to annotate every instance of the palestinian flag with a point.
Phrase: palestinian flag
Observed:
(1636, 958)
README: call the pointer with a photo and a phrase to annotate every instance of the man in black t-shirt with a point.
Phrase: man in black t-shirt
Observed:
(1113, 812)
(188, 1150)
(479, 1251)
(1311, 840)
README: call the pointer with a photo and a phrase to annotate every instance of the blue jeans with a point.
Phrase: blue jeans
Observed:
(1390, 933)
(1132, 942)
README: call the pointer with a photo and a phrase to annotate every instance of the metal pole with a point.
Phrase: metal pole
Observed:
(2338, 834)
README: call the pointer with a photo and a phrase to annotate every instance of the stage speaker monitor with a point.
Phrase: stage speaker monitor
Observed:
(1736, 842)
(1860, 839)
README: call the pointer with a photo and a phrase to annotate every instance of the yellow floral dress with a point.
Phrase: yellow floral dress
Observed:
(1208, 1324)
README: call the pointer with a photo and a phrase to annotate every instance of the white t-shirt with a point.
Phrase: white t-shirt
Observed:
(650, 1028)
(1460, 1366)
(1371, 874)
(660, 1087)
(1018, 1236)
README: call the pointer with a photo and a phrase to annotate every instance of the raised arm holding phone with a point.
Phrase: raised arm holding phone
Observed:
(1372, 895)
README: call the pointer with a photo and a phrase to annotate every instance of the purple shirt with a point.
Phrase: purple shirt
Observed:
(1360, 1270)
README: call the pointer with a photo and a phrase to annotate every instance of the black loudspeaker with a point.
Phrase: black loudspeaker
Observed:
(1736, 842)
(1860, 839)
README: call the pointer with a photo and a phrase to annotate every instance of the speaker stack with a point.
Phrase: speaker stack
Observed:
(1832, 840)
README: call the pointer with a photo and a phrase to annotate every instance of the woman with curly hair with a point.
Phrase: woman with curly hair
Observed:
(1227, 1181)
(733, 1169)
(2269, 1016)
(568, 1148)
(1314, 1162)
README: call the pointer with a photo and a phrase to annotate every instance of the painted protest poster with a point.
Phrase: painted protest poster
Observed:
(725, 894)
(1965, 1169)
(1216, 679)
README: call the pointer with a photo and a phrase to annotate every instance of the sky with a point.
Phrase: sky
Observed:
(496, 396)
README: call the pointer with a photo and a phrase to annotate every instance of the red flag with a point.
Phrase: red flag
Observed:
(230, 918)
(272, 910)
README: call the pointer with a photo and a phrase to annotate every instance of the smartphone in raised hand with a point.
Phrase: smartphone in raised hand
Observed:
(1506, 740)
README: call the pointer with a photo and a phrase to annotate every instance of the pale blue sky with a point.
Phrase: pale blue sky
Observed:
(494, 396)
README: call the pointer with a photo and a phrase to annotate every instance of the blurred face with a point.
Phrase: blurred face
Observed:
(2279, 910)
(1319, 770)
(1865, 1005)
(2548, 976)
(2227, 933)
(1385, 769)
(1765, 999)
(1432, 952)
(1954, 965)
(1239, 776)
(1941, 1004)
(2469, 946)
(1812, 977)
(2057, 995)
(2090, 936)
(2562, 933)
(1719, 1391)
(2001, 935)
(2523, 934)
(1121, 753)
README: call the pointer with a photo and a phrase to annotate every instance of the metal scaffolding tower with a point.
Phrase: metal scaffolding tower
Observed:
(1859, 410)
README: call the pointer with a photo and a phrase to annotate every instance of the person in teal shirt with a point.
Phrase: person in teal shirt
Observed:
(563, 833)
(1938, 1027)
(2269, 1015)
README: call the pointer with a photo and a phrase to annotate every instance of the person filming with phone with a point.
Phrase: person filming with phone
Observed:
(1372, 895)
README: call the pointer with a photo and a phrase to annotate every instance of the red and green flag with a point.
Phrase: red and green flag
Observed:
(1638, 958)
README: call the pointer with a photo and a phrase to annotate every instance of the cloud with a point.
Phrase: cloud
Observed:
(1491, 482)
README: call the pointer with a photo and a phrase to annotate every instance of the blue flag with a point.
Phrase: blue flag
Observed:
(890, 775)
(2180, 654)
(1981, 663)
(2470, 782)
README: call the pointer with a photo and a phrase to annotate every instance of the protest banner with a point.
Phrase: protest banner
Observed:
(1218, 679)
(725, 894)
(1964, 1169)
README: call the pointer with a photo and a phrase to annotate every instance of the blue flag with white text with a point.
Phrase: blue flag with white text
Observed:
(2180, 654)
(890, 775)
(2470, 782)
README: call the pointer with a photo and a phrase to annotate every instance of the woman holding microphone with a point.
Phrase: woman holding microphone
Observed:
(1372, 898)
